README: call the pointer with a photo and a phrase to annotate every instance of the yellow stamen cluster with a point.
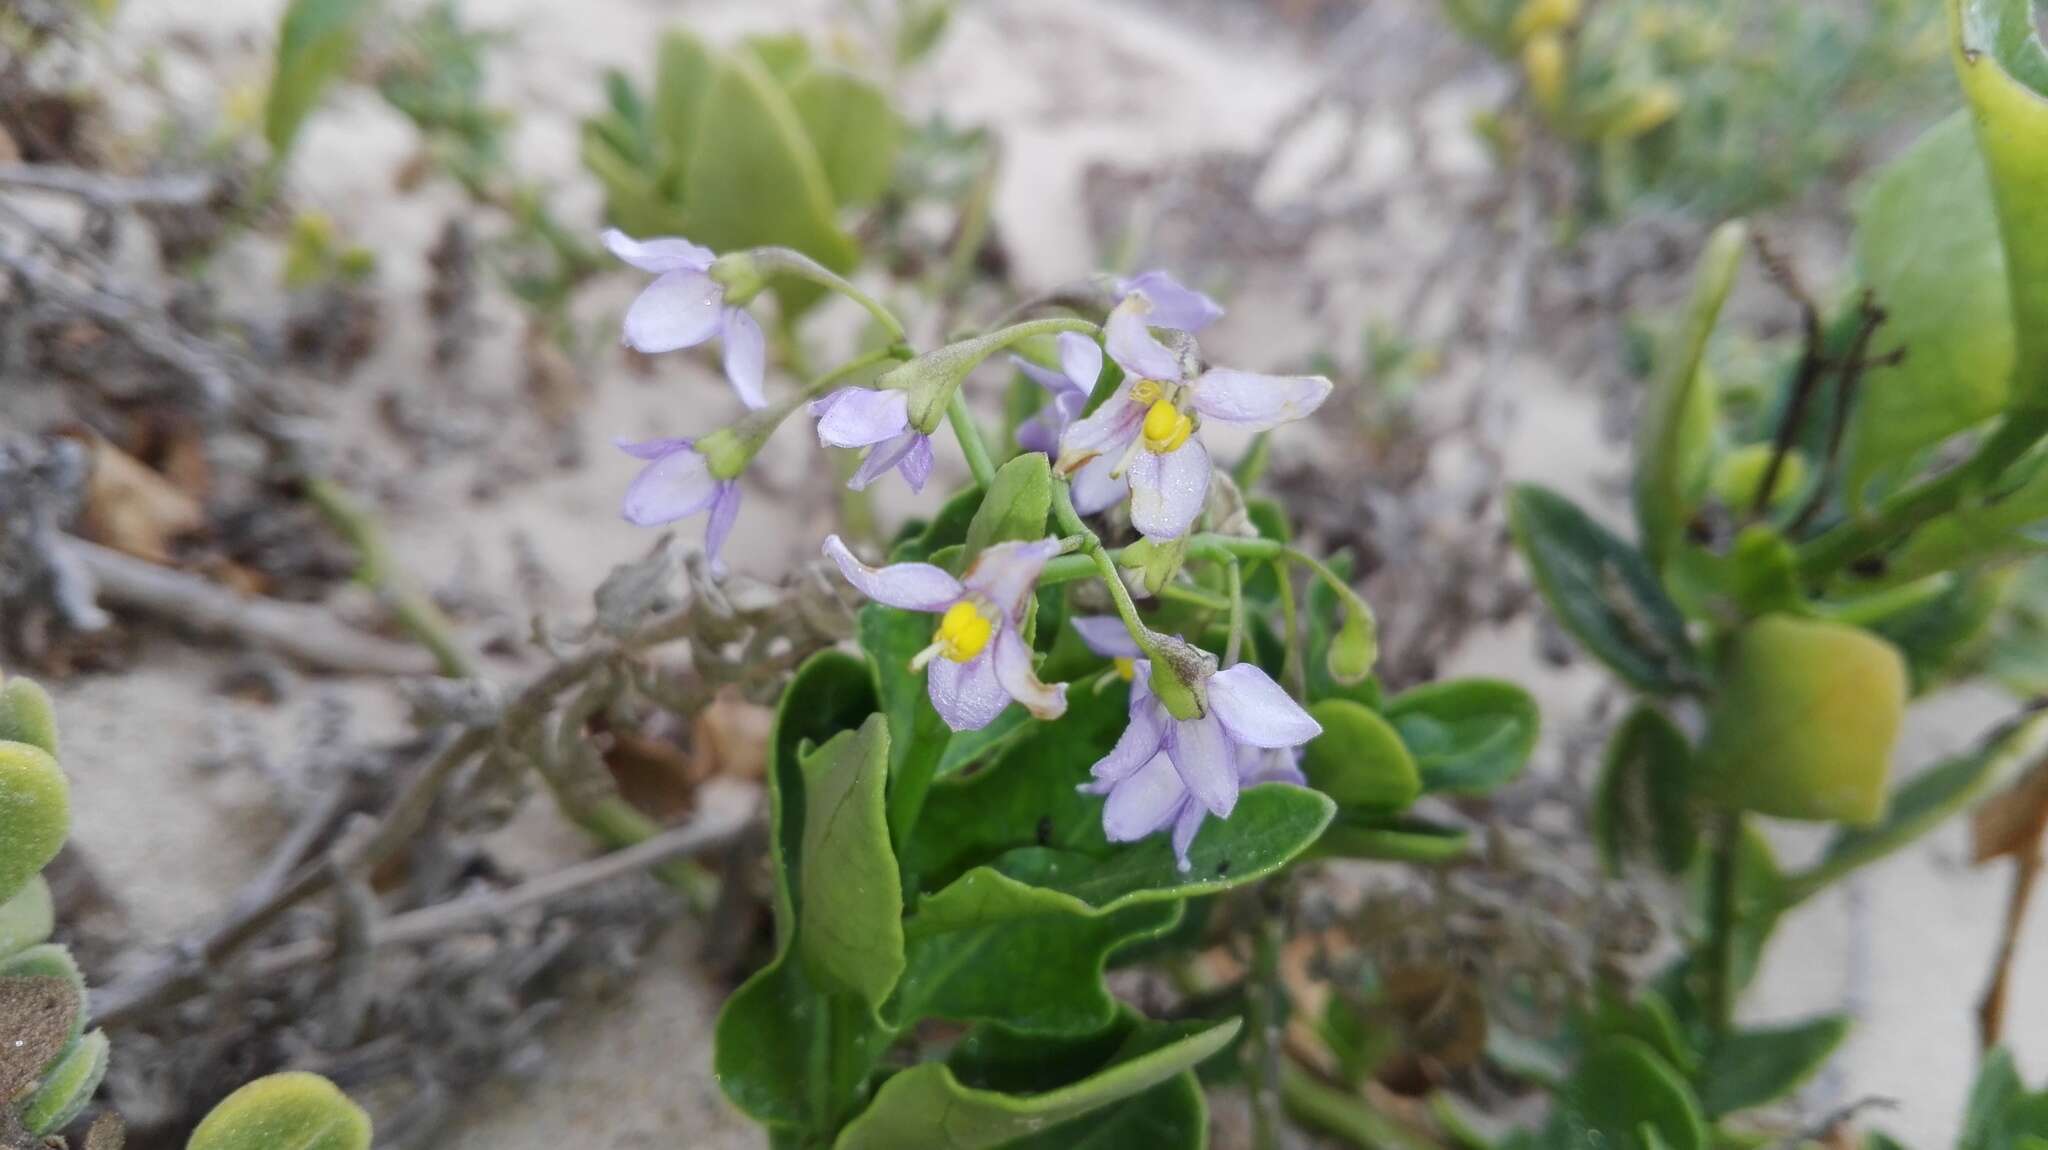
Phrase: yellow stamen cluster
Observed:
(1166, 427)
(964, 632)
(1126, 667)
(1147, 392)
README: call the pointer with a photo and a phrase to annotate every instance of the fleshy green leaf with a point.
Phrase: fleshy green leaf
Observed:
(1620, 1088)
(1467, 735)
(1360, 835)
(1604, 592)
(929, 1105)
(1641, 804)
(850, 912)
(1675, 437)
(1359, 760)
(35, 814)
(27, 918)
(68, 1086)
(27, 716)
(1019, 499)
(1753, 1067)
(855, 131)
(293, 1111)
(1997, 1089)
(1927, 245)
(315, 44)
(683, 72)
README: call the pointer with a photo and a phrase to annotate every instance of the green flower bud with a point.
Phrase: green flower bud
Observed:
(741, 275)
(1152, 563)
(728, 450)
(1179, 672)
(1355, 647)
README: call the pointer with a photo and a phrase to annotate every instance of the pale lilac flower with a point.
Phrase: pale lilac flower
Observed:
(877, 419)
(1146, 430)
(676, 484)
(978, 660)
(1173, 305)
(1080, 365)
(1173, 772)
(684, 306)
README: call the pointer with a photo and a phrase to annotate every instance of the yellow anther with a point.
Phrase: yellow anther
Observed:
(963, 632)
(1148, 392)
(1166, 428)
(1126, 667)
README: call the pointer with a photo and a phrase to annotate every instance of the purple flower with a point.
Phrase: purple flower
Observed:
(978, 659)
(1174, 306)
(684, 306)
(877, 419)
(1173, 772)
(1146, 430)
(1080, 365)
(676, 484)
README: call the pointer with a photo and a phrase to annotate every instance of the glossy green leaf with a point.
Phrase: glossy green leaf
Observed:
(27, 715)
(35, 814)
(1019, 500)
(754, 179)
(292, 1111)
(1357, 835)
(850, 911)
(27, 918)
(856, 133)
(929, 1106)
(1604, 592)
(1170, 1116)
(1359, 760)
(1752, 1067)
(1641, 804)
(1675, 435)
(1647, 1017)
(1467, 736)
(315, 45)
(1621, 1087)
(67, 1088)
(1927, 244)
(2004, 70)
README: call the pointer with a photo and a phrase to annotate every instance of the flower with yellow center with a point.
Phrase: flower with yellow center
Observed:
(964, 632)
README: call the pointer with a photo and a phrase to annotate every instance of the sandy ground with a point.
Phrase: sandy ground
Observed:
(1065, 83)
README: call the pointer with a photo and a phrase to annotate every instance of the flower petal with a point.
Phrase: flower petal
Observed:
(1133, 347)
(673, 487)
(1257, 765)
(662, 254)
(1257, 711)
(1167, 491)
(1141, 740)
(1106, 431)
(1184, 828)
(881, 459)
(1005, 573)
(678, 310)
(1174, 305)
(861, 416)
(1151, 797)
(1041, 432)
(967, 695)
(1098, 486)
(652, 448)
(746, 357)
(1081, 360)
(1257, 402)
(1107, 636)
(916, 464)
(1206, 761)
(725, 509)
(1021, 682)
(911, 586)
(1046, 378)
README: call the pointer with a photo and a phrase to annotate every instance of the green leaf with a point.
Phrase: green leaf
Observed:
(1997, 1089)
(1621, 1087)
(1676, 433)
(850, 912)
(292, 1111)
(1359, 760)
(786, 55)
(1752, 1067)
(830, 693)
(1468, 736)
(1360, 835)
(929, 1106)
(683, 73)
(1648, 1018)
(1604, 592)
(35, 814)
(2004, 70)
(918, 737)
(27, 716)
(754, 180)
(1019, 500)
(315, 44)
(1927, 244)
(68, 1086)
(1641, 805)
(1170, 1116)
(27, 918)
(856, 133)
(946, 529)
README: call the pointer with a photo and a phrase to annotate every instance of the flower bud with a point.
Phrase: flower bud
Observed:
(740, 274)
(1179, 674)
(1543, 61)
(1355, 647)
(1544, 17)
(1150, 564)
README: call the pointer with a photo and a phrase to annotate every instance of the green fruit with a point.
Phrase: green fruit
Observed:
(35, 814)
(292, 1111)
(1805, 720)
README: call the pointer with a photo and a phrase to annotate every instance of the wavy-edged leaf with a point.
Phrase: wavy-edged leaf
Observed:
(1467, 736)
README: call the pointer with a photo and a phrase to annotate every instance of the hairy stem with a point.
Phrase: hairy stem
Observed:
(972, 446)
(376, 569)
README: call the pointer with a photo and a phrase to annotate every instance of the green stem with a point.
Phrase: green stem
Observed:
(1193, 597)
(1342, 1113)
(790, 262)
(971, 444)
(1293, 667)
(934, 378)
(1235, 574)
(1722, 876)
(1264, 1019)
(1105, 567)
(1220, 548)
(375, 569)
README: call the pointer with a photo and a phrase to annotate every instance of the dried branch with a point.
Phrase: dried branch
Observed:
(181, 190)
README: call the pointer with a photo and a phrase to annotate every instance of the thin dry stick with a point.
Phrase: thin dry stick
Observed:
(185, 190)
(1991, 1011)
(309, 634)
